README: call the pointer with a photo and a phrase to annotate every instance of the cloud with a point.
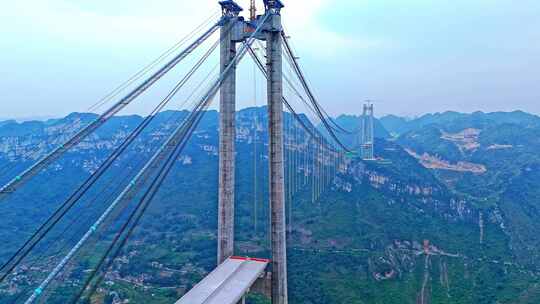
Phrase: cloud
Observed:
(302, 19)
(74, 22)
(115, 23)
(393, 43)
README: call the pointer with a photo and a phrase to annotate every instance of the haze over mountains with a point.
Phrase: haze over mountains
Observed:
(449, 217)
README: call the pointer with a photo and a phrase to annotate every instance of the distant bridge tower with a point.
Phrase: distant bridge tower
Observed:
(366, 133)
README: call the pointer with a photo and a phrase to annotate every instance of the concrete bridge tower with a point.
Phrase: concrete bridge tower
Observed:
(233, 31)
(366, 132)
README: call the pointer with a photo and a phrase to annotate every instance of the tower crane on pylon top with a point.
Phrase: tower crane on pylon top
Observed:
(253, 11)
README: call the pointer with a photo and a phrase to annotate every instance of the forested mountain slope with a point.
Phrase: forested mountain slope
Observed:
(392, 232)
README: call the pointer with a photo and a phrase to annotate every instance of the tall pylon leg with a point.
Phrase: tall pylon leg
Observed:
(277, 195)
(226, 147)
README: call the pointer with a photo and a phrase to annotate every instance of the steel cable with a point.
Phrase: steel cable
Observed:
(68, 204)
(9, 167)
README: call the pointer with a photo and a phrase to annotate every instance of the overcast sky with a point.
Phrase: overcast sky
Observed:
(413, 57)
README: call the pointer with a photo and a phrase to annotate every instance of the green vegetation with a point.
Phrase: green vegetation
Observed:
(367, 245)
